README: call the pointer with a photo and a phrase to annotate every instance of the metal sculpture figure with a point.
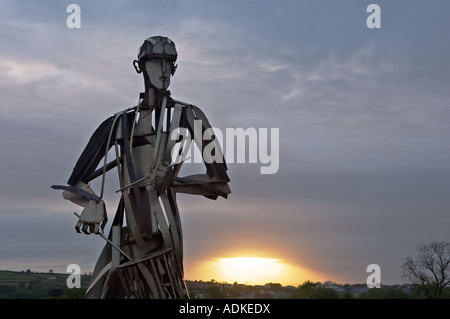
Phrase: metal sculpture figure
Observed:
(143, 256)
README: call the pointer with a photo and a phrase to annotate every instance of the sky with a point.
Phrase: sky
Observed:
(363, 117)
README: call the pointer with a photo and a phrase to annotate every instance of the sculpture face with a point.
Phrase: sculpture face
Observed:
(159, 72)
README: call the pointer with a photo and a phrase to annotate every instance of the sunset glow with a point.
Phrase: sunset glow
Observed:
(250, 270)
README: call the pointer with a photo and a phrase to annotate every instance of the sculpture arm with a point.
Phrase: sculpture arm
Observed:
(93, 153)
(201, 184)
(215, 182)
(215, 169)
(79, 192)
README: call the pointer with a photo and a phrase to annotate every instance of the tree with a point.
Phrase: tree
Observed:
(314, 290)
(215, 292)
(274, 286)
(384, 293)
(325, 293)
(73, 293)
(429, 271)
(305, 290)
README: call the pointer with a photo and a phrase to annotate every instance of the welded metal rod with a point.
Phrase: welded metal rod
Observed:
(106, 238)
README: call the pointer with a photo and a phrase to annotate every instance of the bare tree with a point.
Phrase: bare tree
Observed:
(429, 271)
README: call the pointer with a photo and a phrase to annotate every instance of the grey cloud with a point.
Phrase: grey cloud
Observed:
(362, 118)
(44, 241)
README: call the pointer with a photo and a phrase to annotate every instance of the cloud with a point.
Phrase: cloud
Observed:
(44, 241)
(362, 118)
(21, 73)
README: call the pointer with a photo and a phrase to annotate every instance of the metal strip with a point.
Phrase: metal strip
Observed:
(99, 276)
(158, 134)
(176, 214)
(209, 186)
(77, 191)
(149, 278)
(158, 281)
(131, 222)
(173, 126)
(173, 227)
(131, 173)
(106, 153)
(155, 206)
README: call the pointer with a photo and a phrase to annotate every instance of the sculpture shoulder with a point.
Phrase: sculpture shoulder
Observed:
(189, 108)
(181, 103)
(131, 109)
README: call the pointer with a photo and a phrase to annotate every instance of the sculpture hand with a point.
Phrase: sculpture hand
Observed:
(161, 177)
(92, 218)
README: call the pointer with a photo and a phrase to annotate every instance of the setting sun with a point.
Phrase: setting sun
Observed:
(250, 270)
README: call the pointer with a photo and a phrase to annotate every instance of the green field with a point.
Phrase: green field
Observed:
(15, 277)
(34, 285)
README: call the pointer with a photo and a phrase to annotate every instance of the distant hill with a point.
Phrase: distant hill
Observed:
(34, 285)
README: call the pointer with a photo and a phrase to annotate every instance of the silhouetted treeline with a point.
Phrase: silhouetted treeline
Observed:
(34, 285)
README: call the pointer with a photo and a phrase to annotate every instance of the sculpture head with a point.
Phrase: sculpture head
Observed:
(156, 60)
